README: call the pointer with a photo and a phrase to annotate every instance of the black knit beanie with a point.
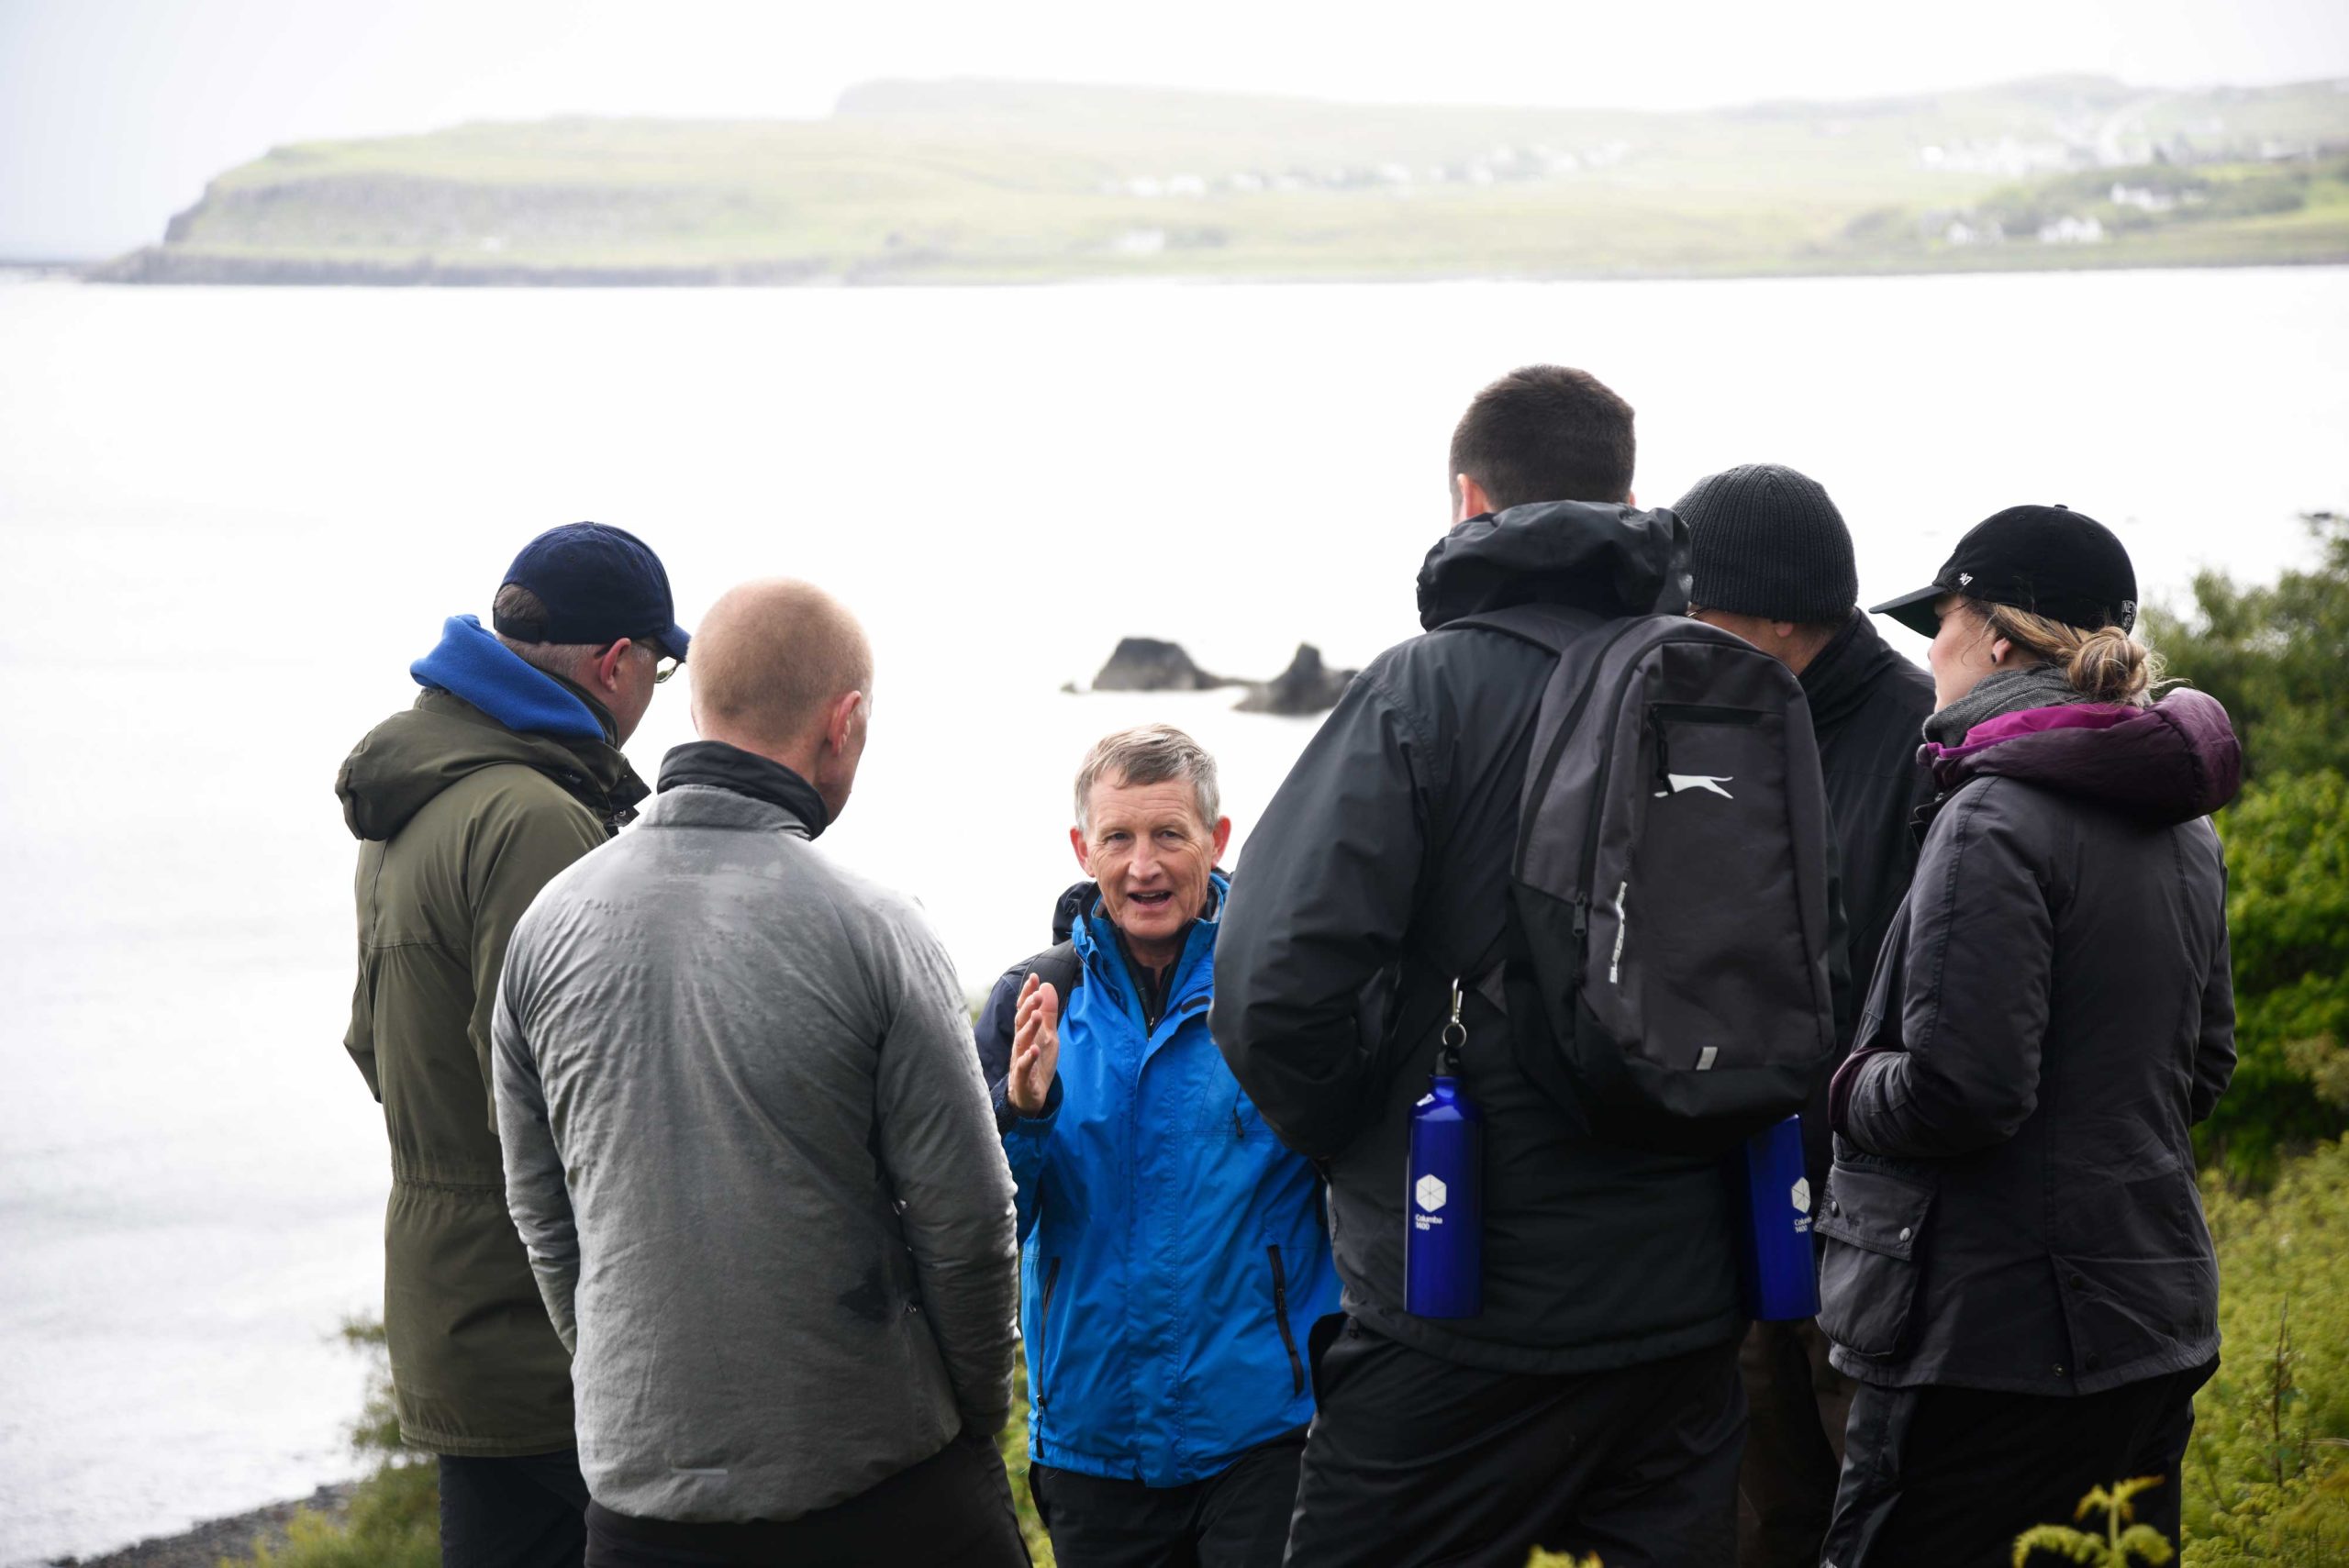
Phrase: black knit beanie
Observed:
(1765, 541)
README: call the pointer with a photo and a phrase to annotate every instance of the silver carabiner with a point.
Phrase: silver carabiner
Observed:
(1455, 1033)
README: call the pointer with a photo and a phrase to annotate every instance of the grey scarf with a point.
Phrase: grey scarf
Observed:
(2008, 691)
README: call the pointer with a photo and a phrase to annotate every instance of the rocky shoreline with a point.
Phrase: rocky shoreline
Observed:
(233, 1537)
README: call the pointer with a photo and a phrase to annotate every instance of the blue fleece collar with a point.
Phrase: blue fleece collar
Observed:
(473, 666)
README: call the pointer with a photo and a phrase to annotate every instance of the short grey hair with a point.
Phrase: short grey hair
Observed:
(517, 605)
(1149, 754)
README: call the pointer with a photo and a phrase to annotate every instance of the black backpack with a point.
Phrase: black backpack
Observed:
(1669, 890)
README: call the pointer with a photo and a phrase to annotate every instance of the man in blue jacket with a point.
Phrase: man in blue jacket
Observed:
(1174, 1254)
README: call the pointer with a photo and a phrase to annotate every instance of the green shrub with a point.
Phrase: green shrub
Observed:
(2273, 654)
(2266, 1474)
(395, 1516)
(2288, 915)
(2122, 1544)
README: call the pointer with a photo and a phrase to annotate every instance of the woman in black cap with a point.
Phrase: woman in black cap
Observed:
(2016, 1266)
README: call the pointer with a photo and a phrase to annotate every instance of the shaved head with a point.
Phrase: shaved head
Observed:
(770, 660)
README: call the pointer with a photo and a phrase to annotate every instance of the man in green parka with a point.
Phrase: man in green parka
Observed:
(505, 771)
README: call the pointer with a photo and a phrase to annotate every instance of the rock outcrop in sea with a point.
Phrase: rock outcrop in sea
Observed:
(1308, 685)
(1146, 664)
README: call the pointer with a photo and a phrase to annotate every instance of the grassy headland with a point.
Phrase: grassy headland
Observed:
(995, 181)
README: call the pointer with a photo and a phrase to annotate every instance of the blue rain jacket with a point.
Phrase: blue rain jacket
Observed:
(1173, 1253)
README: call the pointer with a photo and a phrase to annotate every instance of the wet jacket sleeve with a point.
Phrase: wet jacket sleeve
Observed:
(1323, 898)
(2215, 1051)
(938, 1144)
(1980, 953)
(519, 849)
(536, 1196)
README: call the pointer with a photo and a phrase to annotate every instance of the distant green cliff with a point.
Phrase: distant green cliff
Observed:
(995, 181)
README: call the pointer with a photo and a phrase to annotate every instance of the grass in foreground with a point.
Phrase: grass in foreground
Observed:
(2266, 1477)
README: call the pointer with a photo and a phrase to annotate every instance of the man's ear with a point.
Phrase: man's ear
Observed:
(1631, 499)
(1472, 501)
(607, 666)
(842, 720)
(1084, 854)
(1222, 838)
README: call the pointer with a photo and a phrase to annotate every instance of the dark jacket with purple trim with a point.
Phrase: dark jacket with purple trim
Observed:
(2013, 1203)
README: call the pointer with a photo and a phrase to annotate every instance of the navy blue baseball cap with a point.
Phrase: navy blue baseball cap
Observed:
(598, 584)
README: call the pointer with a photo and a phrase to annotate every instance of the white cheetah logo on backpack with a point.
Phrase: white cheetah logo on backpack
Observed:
(1699, 781)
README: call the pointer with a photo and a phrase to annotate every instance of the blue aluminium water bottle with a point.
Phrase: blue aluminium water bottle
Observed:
(1444, 1243)
(1776, 1270)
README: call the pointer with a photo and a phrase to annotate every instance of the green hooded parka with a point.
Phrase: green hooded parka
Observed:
(460, 821)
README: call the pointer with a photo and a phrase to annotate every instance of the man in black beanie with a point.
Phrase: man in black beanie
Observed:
(1771, 560)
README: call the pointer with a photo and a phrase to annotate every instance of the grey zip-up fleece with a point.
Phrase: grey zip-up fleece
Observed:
(748, 1149)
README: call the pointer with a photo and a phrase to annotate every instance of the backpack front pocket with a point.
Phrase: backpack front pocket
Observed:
(1872, 1223)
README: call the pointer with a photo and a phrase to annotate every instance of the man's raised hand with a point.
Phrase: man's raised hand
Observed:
(1035, 1048)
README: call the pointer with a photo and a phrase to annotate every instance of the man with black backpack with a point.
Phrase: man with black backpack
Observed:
(1174, 1255)
(1570, 838)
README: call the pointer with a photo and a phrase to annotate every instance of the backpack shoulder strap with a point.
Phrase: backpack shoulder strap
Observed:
(1058, 968)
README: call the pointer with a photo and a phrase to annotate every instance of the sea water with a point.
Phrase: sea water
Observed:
(229, 519)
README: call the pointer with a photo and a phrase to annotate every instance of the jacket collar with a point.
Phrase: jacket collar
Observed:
(714, 764)
(1099, 944)
(1840, 677)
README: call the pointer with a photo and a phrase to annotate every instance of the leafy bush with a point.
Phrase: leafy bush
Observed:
(2273, 654)
(395, 1516)
(2287, 913)
(2124, 1543)
(2266, 1474)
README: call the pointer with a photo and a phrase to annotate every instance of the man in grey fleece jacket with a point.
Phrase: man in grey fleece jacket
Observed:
(748, 1149)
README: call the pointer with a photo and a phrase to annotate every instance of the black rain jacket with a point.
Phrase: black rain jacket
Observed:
(1868, 707)
(2013, 1203)
(1380, 871)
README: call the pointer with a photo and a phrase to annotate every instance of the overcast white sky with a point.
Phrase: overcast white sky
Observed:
(113, 113)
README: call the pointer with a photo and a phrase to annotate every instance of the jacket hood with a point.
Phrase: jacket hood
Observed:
(471, 663)
(1609, 561)
(2164, 765)
(405, 762)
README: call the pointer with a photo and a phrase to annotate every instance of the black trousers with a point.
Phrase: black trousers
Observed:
(1236, 1518)
(1795, 1408)
(952, 1510)
(529, 1512)
(1947, 1477)
(1414, 1459)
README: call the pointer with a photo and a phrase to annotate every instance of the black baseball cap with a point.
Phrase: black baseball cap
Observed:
(598, 584)
(2051, 561)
